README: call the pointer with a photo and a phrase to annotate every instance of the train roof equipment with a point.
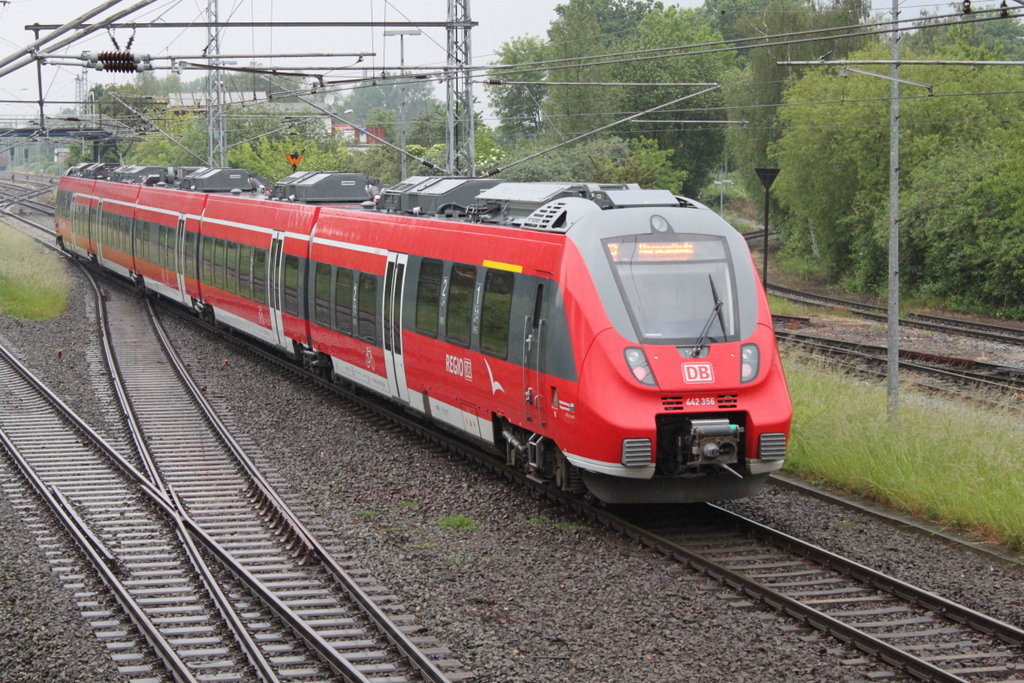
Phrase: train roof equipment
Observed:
(325, 187)
(224, 180)
(440, 196)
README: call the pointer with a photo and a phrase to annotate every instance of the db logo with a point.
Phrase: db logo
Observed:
(698, 373)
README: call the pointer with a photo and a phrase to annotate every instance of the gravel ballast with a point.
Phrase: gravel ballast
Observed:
(517, 589)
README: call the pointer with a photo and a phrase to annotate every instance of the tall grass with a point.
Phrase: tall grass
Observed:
(955, 463)
(34, 285)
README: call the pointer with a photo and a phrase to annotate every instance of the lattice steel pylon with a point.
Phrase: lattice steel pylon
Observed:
(459, 120)
(216, 137)
(82, 94)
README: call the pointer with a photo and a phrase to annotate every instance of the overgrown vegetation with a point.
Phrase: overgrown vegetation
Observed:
(955, 463)
(34, 285)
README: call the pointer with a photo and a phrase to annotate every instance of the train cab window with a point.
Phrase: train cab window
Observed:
(259, 275)
(291, 284)
(206, 264)
(671, 285)
(218, 264)
(343, 301)
(189, 268)
(245, 270)
(460, 303)
(368, 307)
(428, 297)
(497, 306)
(231, 268)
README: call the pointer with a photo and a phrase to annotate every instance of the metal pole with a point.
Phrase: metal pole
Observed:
(39, 80)
(764, 260)
(401, 103)
(893, 372)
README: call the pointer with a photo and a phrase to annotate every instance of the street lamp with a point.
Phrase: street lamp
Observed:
(402, 33)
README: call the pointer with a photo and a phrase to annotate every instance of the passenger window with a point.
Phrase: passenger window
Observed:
(496, 309)
(322, 295)
(190, 255)
(428, 297)
(291, 284)
(259, 275)
(368, 307)
(218, 264)
(207, 264)
(231, 268)
(244, 258)
(343, 301)
(161, 254)
(460, 303)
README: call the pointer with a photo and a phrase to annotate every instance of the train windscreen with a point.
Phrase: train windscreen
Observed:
(673, 284)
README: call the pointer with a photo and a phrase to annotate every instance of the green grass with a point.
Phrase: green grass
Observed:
(460, 522)
(958, 464)
(34, 285)
(781, 306)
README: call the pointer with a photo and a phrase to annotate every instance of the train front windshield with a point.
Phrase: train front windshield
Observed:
(673, 284)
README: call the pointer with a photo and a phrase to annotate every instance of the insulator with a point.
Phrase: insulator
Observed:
(117, 62)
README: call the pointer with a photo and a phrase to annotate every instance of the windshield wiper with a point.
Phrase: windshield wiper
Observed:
(715, 312)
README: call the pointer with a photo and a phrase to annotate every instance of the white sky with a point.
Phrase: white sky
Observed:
(498, 21)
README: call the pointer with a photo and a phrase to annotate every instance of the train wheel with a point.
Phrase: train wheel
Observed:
(567, 475)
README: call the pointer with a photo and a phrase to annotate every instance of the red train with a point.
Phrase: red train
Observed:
(610, 339)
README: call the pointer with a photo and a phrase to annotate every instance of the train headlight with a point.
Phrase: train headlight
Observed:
(637, 362)
(750, 362)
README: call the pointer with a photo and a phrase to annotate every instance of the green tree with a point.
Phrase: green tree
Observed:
(646, 165)
(755, 93)
(698, 146)
(577, 107)
(516, 97)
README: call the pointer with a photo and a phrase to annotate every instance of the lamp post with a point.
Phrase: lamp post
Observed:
(402, 33)
(767, 176)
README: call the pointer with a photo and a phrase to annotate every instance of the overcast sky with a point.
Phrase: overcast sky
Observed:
(498, 21)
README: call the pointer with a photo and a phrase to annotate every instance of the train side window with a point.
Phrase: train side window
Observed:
(244, 270)
(496, 309)
(291, 284)
(189, 267)
(322, 295)
(206, 273)
(343, 301)
(218, 264)
(460, 303)
(259, 275)
(428, 296)
(368, 307)
(161, 254)
(231, 268)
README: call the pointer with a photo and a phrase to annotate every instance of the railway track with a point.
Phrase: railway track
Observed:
(915, 631)
(996, 333)
(956, 371)
(289, 609)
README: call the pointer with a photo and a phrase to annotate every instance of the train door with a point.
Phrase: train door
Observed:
(180, 267)
(533, 336)
(394, 290)
(275, 285)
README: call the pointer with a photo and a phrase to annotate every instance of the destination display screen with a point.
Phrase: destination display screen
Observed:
(650, 251)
